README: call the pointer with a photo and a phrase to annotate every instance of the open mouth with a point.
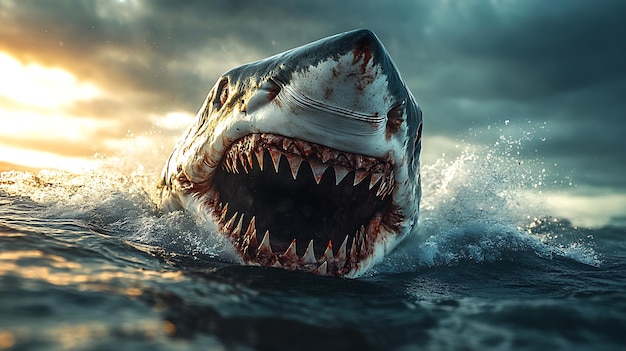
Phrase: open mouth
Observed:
(289, 203)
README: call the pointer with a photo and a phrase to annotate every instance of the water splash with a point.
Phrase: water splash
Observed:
(484, 206)
(115, 204)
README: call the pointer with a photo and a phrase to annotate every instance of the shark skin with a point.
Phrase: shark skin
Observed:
(307, 160)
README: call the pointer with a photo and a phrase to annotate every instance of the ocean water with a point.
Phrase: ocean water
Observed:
(88, 262)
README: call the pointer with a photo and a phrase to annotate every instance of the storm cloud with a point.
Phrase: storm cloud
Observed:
(470, 64)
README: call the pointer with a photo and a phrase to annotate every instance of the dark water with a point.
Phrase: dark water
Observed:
(87, 262)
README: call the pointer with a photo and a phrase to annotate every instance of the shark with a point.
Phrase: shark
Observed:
(308, 160)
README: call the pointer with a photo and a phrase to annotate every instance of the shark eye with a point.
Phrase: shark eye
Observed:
(395, 117)
(272, 89)
(222, 94)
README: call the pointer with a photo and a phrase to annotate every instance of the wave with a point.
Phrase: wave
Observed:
(484, 206)
(475, 208)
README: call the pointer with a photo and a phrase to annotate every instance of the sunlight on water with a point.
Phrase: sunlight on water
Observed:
(115, 204)
(57, 270)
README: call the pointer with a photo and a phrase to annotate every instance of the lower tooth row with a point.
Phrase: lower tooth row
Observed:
(247, 241)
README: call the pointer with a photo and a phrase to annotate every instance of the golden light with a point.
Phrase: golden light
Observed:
(49, 125)
(35, 124)
(174, 120)
(43, 159)
(40, 86)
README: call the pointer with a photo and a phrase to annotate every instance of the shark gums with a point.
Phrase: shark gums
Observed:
(307, 160)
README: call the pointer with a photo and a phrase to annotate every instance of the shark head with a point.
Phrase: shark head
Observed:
(307, 160)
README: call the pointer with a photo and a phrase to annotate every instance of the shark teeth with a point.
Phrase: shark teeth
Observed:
(318, 170)
(370, 175)
(290, 253)
(231, 222)
(265, 248)
(237, 230)
(340, 173)
(224, 212)
(259, 157)
(374, 179)
(358, 177)
(350, 252)
(240, 159)
(309, 254)
(328, 254)
(322, 269)
(294, 164)
(275, 154)
(341, 254)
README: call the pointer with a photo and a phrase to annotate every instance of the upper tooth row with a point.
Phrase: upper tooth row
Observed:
(233, 161)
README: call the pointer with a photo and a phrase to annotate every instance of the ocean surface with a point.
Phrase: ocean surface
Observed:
(88, 262)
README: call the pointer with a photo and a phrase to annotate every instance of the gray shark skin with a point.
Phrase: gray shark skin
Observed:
(307, 160)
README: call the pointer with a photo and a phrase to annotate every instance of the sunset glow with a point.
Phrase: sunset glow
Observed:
(43, 125)
(33, 102)
(41, 159)
(38, 86)
(119, 81)
(50, 125)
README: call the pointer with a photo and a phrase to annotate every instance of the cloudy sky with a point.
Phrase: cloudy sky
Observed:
(79, 78)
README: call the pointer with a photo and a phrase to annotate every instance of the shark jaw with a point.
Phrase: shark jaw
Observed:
(308, 160)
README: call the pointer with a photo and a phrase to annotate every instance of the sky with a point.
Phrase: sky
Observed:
(82, 80)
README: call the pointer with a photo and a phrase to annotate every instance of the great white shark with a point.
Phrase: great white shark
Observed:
(307, 160)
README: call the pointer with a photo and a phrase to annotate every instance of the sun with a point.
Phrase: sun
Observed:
(39, 86)
(34, 102)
